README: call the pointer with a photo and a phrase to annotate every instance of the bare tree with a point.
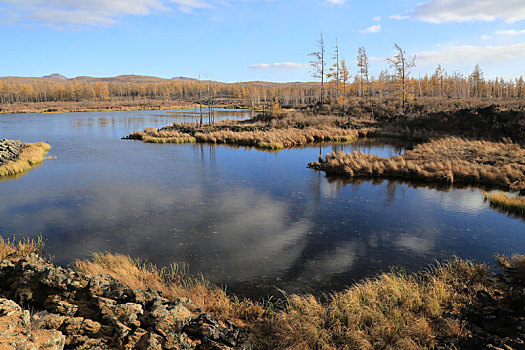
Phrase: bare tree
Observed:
(334, 70)
(363, 65)
(319, 64)
(402, 65)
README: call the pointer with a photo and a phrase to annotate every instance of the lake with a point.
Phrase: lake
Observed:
(253, 221)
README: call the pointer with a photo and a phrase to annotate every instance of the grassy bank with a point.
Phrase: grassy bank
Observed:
(94, 106)
(391, 311)
(514, 205)
(448, 160)
(31, 155)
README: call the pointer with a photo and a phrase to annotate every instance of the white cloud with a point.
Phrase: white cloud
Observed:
(486, 37)
(377, 19)
(188, 6)
(98, 12)
(472, 54)
(372, 29)
(336, 2)
(398, 17)
(511, 32)
(441, 11)
(280, 66)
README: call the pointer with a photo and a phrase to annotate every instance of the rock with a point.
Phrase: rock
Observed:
(77, 311)
(17, 332)
(9, 150)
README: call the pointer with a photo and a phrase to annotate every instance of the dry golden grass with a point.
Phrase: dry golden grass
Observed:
(287, 130)
(152, 135)
(278, 138)
(448, 160)
(393, 311)
(173, 284)
(21, 248)
(32, 154)
(506, 203)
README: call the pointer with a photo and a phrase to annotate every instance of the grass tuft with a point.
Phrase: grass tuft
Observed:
(514, 205)
(392, 311)
(18, 249)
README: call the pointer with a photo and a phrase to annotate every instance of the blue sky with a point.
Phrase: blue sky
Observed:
(242, 40)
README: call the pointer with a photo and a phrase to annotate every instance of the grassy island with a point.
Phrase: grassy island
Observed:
(447, 160)
(21, 157)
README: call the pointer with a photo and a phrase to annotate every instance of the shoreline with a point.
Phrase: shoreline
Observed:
(113, 301)
(90, 106)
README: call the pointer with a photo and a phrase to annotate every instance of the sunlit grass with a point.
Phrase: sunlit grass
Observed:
(506, 203)
(172, 282)
(447, 160)
(393, 311)
(20, 248)
(31, 155)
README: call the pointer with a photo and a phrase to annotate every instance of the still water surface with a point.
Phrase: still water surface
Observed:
(251, 220)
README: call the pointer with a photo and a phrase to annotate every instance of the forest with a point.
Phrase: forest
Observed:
(337, 82)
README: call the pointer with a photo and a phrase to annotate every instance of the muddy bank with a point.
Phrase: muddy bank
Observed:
(491, 123)
(72, 310)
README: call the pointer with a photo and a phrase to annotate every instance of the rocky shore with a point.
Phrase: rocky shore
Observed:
(9, 150)
(47, 307)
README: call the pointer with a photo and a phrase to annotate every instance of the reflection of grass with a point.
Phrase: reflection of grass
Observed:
(31, 155)
(447, 160)
(507, 204)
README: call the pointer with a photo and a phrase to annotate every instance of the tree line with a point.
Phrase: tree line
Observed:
(336, 83)
(335, 79)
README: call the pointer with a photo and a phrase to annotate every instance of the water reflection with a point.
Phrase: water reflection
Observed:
(254, 221)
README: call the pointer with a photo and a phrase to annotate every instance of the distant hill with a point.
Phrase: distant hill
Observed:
(55, 76)
(141, 79)
(183, 78)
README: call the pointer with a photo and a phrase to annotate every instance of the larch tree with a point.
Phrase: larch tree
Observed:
(334, 70)
(438, 79)
(363, 65)
(477, 77)
(318, 63)
(402, 66)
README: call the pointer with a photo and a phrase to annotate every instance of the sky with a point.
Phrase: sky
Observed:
(246, 40)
